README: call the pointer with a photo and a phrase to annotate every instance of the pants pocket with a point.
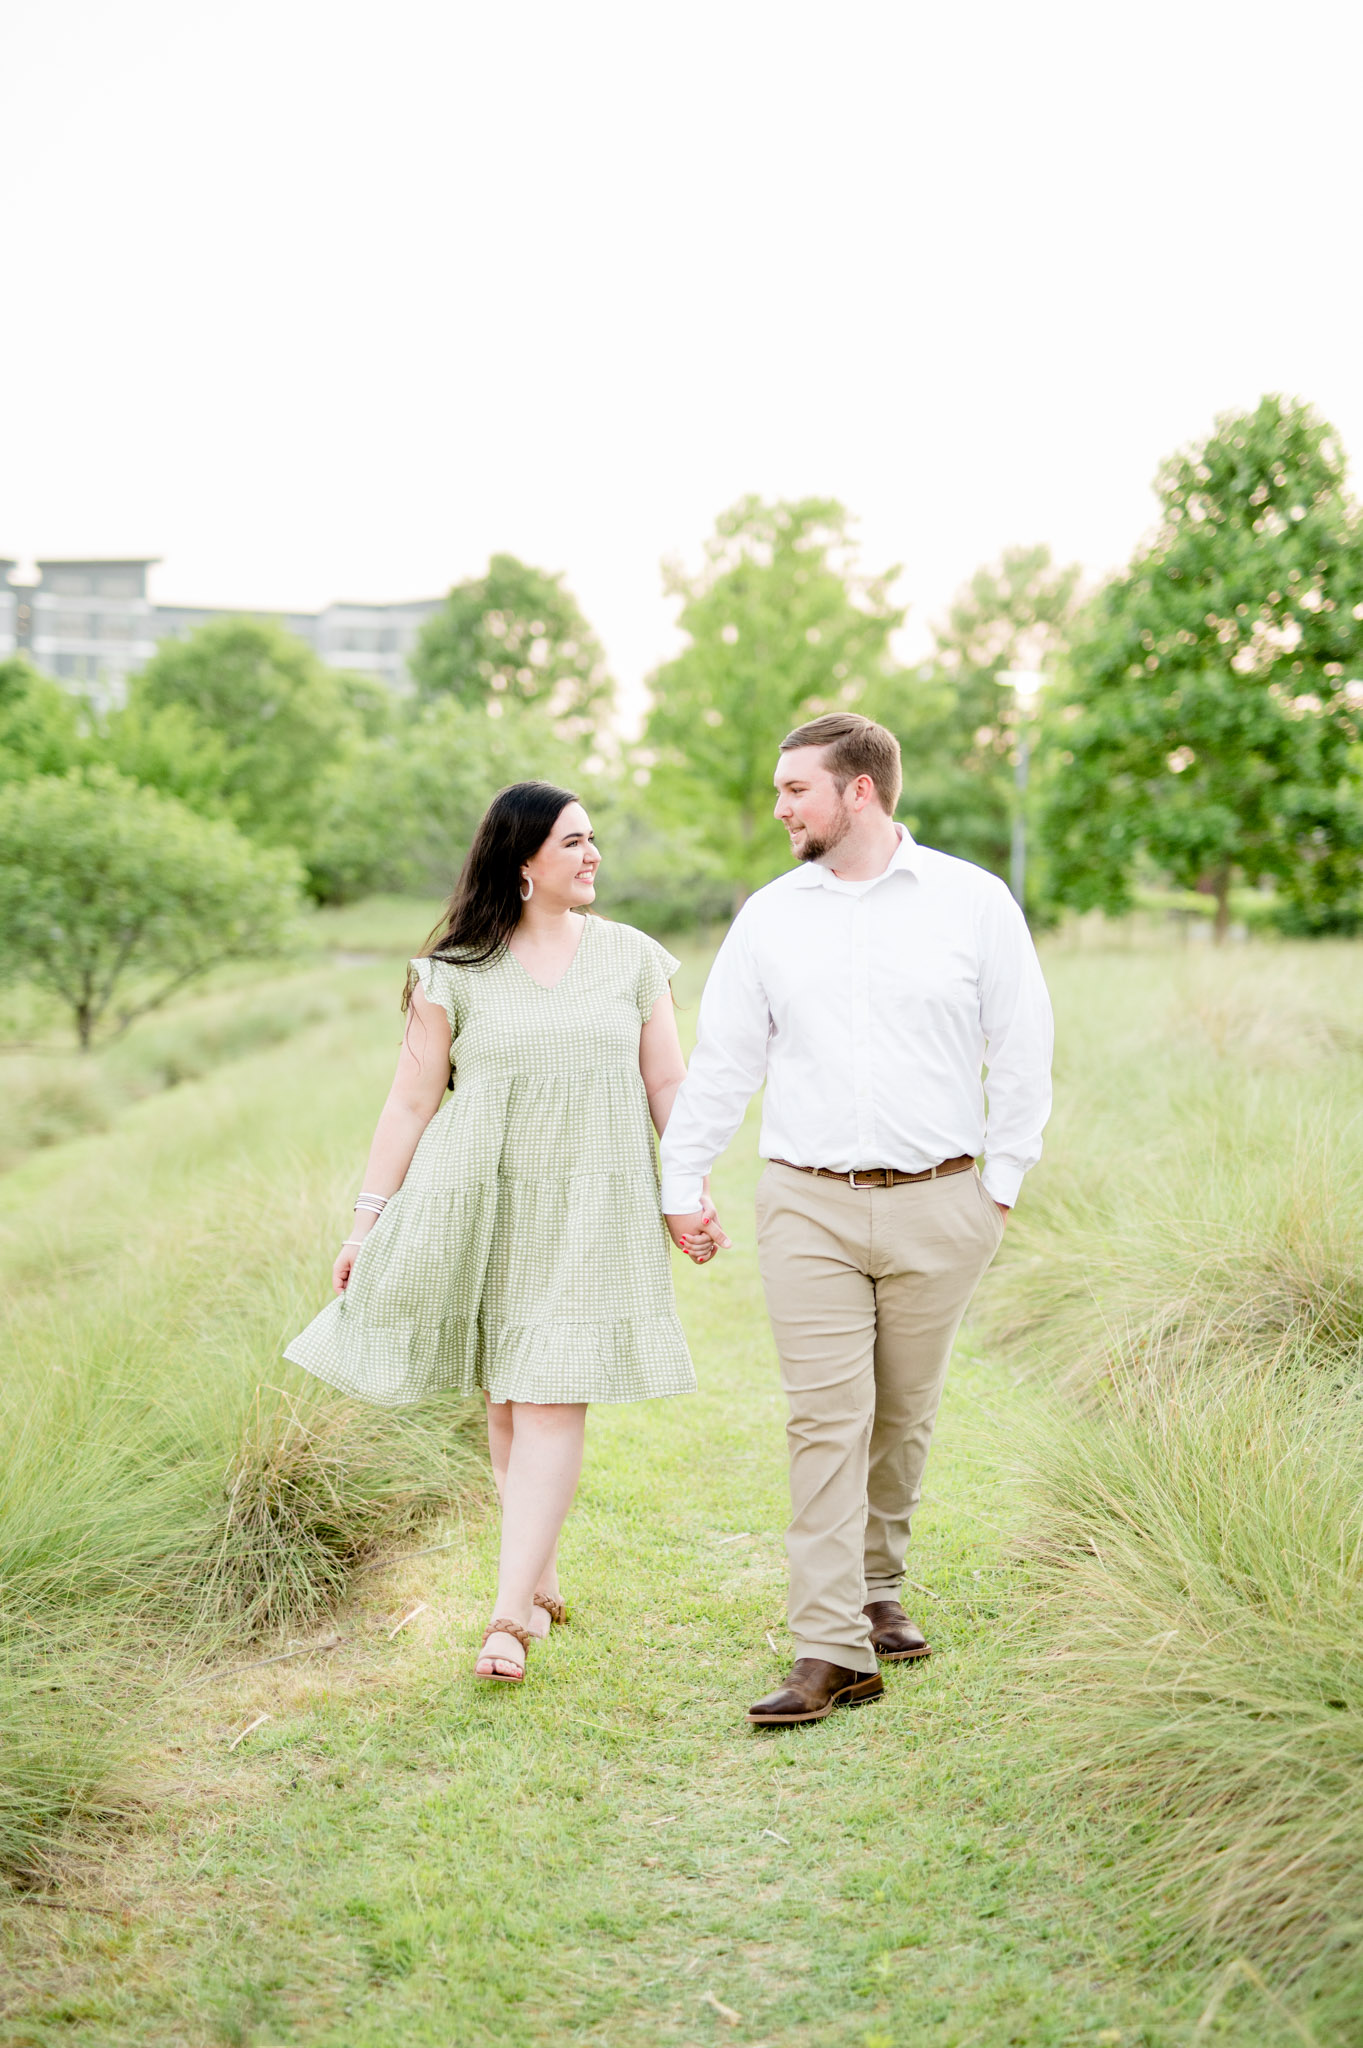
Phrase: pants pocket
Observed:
(997, 1219)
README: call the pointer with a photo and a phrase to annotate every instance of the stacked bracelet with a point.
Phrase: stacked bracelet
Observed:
(374, 1204)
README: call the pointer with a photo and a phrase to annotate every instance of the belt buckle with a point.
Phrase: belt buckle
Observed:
(853, 1182)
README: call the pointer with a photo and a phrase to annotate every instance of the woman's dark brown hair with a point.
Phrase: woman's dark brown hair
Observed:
(485, 908)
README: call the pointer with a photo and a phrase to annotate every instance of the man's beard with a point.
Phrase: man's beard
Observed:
(815, 848)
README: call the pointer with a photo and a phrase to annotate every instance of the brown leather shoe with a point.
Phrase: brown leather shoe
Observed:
(893, 1636)
(813, 1689)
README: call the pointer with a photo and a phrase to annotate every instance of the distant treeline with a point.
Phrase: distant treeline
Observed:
(1199, 729)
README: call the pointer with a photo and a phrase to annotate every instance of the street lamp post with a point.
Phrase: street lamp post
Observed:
(1025, 683)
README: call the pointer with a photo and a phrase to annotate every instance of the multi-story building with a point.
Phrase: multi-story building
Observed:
(92, 625)
(88, 623)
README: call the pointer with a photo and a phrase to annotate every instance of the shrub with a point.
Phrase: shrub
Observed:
(112, 898)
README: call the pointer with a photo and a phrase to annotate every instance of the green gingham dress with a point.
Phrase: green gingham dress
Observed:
(525, 1251)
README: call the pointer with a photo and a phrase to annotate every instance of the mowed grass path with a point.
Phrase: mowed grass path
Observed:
(608, 1854)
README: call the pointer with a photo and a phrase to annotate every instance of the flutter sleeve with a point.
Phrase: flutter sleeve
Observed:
(440, 982)
(656, 970)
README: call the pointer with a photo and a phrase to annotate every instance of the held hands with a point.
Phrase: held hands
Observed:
(700, 1235)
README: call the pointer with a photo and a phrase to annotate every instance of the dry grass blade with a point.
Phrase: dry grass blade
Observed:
(250, 1729)
(420, 1608)
(726, 2012)
(332, 1642)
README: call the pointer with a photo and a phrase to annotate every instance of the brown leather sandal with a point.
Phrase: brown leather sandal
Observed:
(555, 1609)
(502, 1627)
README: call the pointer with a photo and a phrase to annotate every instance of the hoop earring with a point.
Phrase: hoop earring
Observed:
(527, 889)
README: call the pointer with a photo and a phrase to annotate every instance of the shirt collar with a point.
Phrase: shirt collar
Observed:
(812, 874)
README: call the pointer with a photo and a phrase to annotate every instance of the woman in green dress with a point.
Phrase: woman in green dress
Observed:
(508, 1236)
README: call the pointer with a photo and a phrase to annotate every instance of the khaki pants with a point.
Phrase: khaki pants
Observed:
(865, 1288)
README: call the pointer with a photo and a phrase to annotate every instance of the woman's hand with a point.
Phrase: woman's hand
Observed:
(700, 1235)
(345, 1259)
(713, 1229)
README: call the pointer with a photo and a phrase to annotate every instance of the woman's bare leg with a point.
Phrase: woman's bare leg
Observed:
(499, 1441)
(500, 1432)
(537, 1488)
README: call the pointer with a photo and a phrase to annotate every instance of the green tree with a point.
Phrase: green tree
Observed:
(399, 809)
(113, 897)
(1210, 722)
(515, 636)
(167, 747)
(279, 719)
(781, 626)
(654, 871)
(956, 722)
(41, 726)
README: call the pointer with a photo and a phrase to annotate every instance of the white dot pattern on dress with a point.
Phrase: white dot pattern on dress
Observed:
(525, 1251)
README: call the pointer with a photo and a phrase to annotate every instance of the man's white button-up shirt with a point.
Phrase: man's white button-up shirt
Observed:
(870, 1008)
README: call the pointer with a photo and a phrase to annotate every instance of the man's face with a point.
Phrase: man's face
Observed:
(810, 805)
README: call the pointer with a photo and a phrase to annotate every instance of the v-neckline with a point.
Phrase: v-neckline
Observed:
(548, 988)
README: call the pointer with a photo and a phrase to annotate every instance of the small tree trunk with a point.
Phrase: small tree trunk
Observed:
(1221, 891)
(85, 1011)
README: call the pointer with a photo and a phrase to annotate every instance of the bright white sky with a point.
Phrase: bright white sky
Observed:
(322, 299)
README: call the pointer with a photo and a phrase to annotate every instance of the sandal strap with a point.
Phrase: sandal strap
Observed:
(509, 1628)
(555, 1609)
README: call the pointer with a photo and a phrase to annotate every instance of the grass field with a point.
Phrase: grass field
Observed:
(1114, 1807)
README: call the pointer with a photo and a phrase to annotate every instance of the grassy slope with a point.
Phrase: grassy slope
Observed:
(397, 1857)
(1187, 1269)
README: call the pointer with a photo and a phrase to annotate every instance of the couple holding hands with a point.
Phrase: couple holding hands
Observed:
(508, 1235)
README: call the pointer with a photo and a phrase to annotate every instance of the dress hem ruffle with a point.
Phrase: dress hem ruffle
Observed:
(507, 1366)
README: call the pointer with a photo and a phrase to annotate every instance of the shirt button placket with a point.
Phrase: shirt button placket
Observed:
(861, 1033)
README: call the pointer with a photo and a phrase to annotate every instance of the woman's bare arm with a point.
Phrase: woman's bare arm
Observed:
(660, 1061)
(415, 1096)
(663, 1067)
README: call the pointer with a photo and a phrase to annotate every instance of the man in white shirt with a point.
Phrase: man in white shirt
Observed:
(867, 987)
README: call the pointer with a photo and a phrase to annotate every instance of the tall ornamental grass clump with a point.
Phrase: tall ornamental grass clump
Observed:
(1186, 1273)
(170, 1484)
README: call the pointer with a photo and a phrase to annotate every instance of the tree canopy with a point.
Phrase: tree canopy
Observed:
(400, 809)
(781, 626)
(515, 636)
(1209, 724)
(954, 719)
(255, 719)
(113, 897)
(41, 730)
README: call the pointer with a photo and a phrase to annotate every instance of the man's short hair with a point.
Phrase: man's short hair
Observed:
(853, 746)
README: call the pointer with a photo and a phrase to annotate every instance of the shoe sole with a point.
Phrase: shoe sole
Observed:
(850, 1696)
(902, 1656)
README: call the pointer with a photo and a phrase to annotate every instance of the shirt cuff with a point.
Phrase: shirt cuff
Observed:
(1002, 1180)
(682, 1193)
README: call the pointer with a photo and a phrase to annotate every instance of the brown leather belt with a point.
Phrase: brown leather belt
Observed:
(883, 1176)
